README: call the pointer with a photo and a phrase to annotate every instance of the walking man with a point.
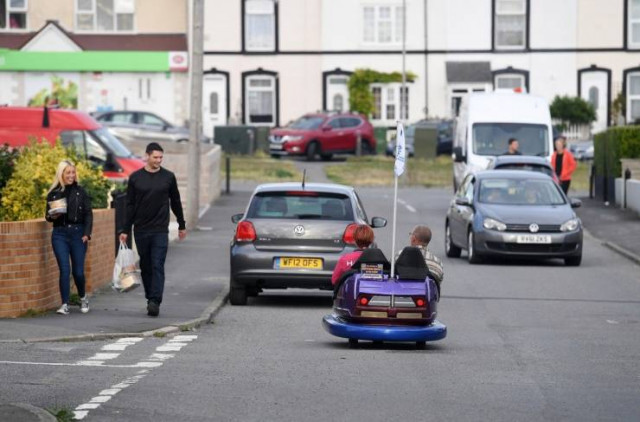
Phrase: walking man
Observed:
(150, 193)
(563, 163)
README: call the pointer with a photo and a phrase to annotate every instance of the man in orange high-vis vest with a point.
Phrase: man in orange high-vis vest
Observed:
(563, 163)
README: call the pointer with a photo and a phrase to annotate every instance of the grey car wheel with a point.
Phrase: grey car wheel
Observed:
(573, 261)
(472, 255)
(450, 249)
(238, 296)
(312, 151)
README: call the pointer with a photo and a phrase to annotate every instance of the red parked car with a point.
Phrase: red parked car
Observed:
(323, 134)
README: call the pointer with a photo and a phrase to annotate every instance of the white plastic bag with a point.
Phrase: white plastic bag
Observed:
(126, 275)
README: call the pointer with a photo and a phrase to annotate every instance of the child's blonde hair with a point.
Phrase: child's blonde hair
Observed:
(58, 182)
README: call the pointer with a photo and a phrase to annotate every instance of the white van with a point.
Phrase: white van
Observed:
(488, 120)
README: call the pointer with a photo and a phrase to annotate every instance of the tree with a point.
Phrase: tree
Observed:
(60, 95)
(572, 110)
(360, 97)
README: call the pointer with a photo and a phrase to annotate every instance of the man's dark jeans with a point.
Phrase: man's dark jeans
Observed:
(67, 243)
(152, 248)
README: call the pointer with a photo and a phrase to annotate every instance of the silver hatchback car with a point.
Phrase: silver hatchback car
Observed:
(292, 235)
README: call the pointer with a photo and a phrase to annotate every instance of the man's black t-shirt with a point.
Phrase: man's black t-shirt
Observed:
(559, 164)
(149, 196)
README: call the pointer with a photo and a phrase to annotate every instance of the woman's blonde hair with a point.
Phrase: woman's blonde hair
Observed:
(58, 182)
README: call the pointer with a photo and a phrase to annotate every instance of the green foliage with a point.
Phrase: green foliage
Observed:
(60, 95)
(360, 97)
(618, 107)
(572, 110)
(614, 144)
(24, 196)
(8, 157)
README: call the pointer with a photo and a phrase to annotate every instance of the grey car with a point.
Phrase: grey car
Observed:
(292, 235)
(131, 125)
(513, 213)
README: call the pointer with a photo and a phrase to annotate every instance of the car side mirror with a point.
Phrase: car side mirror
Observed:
(575, 203)
(457, 155)
(463, 200)
(236, 217)
(165, 127)
(326, 128)
(378, 222)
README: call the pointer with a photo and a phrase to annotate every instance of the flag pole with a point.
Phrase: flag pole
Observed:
(395, 210)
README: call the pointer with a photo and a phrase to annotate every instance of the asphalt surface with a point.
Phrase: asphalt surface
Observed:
(197, 279)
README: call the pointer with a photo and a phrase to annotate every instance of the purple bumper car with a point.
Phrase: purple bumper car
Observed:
(370, 305)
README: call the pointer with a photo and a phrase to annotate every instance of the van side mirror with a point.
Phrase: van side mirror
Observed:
(458, 156)
(463, 200)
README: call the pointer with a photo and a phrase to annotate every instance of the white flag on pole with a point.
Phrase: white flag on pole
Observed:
(401, 151)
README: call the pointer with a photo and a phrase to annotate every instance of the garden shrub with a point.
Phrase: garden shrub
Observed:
(360, 97)
(612, 145)
(572, 110)
(24, 196)
(8, 157)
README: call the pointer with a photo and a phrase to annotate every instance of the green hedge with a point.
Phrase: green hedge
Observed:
(614, 144)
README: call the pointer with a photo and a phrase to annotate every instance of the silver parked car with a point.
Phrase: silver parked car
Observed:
(141, 126)
(513, 213)
(291, 235)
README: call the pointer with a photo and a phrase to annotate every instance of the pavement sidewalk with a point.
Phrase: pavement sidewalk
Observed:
(196, 286)
(616, 228)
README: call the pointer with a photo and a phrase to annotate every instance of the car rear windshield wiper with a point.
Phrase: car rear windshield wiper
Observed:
(308, 216)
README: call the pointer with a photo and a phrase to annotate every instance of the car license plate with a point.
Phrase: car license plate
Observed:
(533, 238)
(299, 262)
(275, 146)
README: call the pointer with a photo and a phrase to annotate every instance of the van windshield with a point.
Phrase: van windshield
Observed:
(493, 138)
(111, 142)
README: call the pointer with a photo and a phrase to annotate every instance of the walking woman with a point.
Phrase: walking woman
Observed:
(69, 209)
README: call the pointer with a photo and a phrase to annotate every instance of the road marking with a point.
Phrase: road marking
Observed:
(154, 360)
(406, 205)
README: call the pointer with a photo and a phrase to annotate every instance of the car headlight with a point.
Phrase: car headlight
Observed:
(288, 138)
(570, 225)
(491, 224)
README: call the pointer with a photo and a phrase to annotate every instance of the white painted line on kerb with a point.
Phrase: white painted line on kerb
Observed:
(153, 361)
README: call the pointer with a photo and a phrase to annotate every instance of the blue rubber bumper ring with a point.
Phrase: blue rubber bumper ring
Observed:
(341, 328)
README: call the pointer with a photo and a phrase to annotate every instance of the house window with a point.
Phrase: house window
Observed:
(510, 24)
(260, 100)
(13, 14)
(594, 97)
(633, 97)
(390, 102)
(634, 23)
(104, 15)
(509, 82)
(213, 103)
(382, 24)
(260, 25)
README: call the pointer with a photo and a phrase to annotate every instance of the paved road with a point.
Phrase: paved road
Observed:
(527, 341)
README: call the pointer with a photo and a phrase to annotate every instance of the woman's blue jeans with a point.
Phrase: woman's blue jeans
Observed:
(68, 246)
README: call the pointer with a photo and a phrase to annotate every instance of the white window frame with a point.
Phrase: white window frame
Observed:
(249, 89)
(118, 9)
(630, 22)
(250, 42)
(390, 100)
(632, 98)
(10, 10)
(499, 13)
(394, 20)
(510, 76)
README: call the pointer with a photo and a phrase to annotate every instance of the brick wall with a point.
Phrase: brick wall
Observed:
(28, 268)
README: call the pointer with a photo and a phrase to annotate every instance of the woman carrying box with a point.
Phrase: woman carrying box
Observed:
(69, 209)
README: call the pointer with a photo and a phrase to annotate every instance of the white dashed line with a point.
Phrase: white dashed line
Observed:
(406, 205)
(155, 360)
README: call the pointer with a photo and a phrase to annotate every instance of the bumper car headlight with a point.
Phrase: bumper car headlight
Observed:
(491, 224)
(570, 225)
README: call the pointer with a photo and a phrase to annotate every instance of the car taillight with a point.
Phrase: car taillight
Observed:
(420, 302)
(245, 232)
(347, 237)
(364, 301)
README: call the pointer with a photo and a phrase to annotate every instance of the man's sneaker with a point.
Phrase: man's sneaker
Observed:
(153, 308)
(84, 305)
(63, 310)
